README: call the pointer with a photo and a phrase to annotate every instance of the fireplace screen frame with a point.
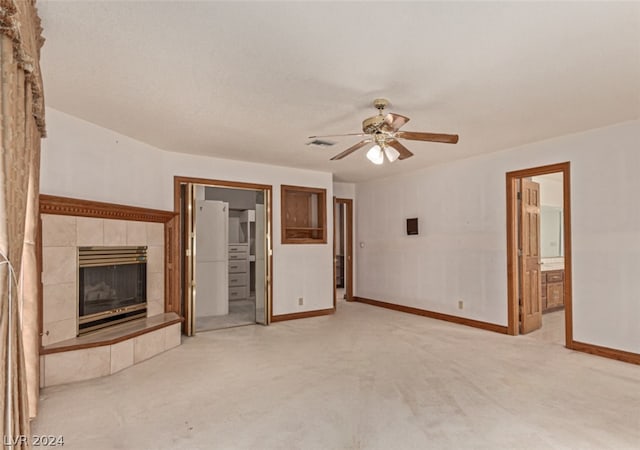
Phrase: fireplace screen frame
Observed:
(89, 257)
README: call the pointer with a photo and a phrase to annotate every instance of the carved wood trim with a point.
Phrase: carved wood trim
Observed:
(50, 204)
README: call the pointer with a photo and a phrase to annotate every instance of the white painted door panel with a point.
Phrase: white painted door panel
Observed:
(211, 255)
(212, 289)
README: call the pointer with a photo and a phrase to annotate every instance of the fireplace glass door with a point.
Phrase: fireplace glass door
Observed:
(112, 286)
(108, 288)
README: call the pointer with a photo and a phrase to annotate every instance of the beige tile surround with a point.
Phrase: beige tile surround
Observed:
(85, 364)
(61, 235)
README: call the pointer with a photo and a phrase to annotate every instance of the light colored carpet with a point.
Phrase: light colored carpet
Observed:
(364, 378)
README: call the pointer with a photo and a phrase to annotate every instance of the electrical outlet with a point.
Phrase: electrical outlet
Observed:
(300, 301)
(460, 304)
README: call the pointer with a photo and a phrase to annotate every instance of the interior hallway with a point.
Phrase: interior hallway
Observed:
(364, 378)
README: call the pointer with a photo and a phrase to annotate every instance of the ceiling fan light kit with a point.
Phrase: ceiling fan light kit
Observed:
(375, 155)
(383, 131)
(392, 153)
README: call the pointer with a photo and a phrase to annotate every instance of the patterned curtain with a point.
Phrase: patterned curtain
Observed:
(21, 128)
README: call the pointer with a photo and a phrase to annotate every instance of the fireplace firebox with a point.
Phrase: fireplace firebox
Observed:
(112, 286)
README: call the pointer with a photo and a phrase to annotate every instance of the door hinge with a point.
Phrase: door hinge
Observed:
(187, 252)
(519, 252)
(519, 195)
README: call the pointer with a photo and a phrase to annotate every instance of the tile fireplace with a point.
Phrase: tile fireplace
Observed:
(112, 286)
(62, 238)
(104, 263)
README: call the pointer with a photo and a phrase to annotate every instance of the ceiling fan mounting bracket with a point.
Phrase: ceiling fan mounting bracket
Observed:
(381, 104)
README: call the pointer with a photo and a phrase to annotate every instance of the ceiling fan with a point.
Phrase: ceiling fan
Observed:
(383, 131)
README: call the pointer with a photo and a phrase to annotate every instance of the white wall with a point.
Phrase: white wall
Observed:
(83, 160)
(460, 253)
(344, 190)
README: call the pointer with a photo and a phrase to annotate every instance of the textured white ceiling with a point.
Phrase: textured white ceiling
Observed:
(252, 80)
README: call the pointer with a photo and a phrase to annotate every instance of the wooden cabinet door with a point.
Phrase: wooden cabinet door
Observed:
(297, 210)
(530, 275)
(555, 295)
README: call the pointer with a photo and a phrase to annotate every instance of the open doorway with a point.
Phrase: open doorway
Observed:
(226, 247)
(343, 249)
(539, 253)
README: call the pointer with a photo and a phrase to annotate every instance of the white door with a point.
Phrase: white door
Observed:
(211, 255)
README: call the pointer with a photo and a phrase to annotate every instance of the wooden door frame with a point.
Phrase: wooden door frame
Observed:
(512, 245)
(180, 180)
(348, 267)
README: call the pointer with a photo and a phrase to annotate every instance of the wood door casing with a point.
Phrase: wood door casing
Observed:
(513, 284)
(189, 269)
(348, 267)
(530, 289)
(180, 186)
(348, 246)
(335, 254)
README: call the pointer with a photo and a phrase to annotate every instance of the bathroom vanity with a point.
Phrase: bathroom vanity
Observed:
(552, 290)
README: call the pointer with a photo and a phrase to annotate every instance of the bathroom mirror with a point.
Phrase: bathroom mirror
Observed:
(551, 232)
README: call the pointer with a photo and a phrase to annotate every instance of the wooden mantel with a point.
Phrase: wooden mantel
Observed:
(50, 204)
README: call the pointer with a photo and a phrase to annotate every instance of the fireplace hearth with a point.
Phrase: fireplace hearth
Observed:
(112, 286)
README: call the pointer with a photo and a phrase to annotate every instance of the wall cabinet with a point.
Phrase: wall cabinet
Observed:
(303, 219)
(552, 290)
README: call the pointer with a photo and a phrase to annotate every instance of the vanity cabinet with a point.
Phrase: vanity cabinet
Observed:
(552, 290)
